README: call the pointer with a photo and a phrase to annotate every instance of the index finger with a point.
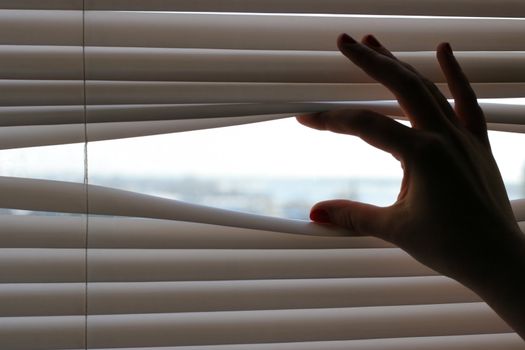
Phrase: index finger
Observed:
(422, 109)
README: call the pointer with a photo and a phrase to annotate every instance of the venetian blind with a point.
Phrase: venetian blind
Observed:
(126, 270)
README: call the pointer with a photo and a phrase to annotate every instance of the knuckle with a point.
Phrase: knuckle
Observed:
(410, 81)
(343, 218)
(364, 118)
(409, 67)
(407, 80)
(367, 122)
(429, 83)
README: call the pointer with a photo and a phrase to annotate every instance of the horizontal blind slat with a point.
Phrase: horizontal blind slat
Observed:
(46, 115)
(109, 131)
(41, 92)
(286, 32)
(124, 203)
(494, 112)
(506, 127)
(68, 197)
(65, 63)
(70, 92)
(230, 327)
(126, 92)
(41, 27)
(137, 233)
(140, 92)
(42, 5)
(488, 8)
(120, 232)
(42, 265)
(38, 231)
(137, 265)
(41, 135)
(164, 119)
(163, 64)
(61, 231)
(42, 332)
(42, 299)
(41, 115)
(501, 341)
(201, 296)
(108, 298)
(42, 195)
(41, 62)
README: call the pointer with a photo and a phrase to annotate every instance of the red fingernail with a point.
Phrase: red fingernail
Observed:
(320, 216)
(370, 39)
(347, 39)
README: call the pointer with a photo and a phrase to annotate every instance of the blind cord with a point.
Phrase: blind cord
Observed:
(86, 176)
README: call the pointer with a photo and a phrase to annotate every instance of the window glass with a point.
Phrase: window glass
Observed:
(277, 168)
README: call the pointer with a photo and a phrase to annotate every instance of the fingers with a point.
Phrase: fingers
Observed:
(465, 101)
(359, 218)
(447, 110)
(372, 42)
(413, 95)
(376, 129)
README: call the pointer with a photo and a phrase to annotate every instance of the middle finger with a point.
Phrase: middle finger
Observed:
(422, 109)
(447, 110)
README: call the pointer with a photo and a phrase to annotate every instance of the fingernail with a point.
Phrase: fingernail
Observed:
(347, 39)
(370, 39)
(320, 216)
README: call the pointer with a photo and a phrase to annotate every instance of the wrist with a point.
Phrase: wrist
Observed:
(499, 279)
(500, 260)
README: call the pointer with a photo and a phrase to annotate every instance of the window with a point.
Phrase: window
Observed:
(84, 265)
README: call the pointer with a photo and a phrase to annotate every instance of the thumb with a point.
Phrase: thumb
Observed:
(359, 218)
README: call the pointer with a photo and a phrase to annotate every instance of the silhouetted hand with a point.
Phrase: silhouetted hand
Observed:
(452, 213)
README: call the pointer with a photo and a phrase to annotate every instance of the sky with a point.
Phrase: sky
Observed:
(281, 148)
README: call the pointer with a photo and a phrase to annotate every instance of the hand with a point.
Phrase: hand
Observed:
(452, 213)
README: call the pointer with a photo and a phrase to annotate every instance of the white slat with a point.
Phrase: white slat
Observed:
(68, 231)
(121, 232)
(140, 92)
(270, 326)
(41, 62)
(68, 197)
(41, 92)
(74, 114)
(39, 231)
(42, 332)
(179, 64)
(134, 265)
(42, 299)
(41, 27)
(501, 341)
(33, 265)
(201, 296)
(163, 119)
(70, 92)
(41, 115)
(296, 32)
(42, 5)
(488, 8)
